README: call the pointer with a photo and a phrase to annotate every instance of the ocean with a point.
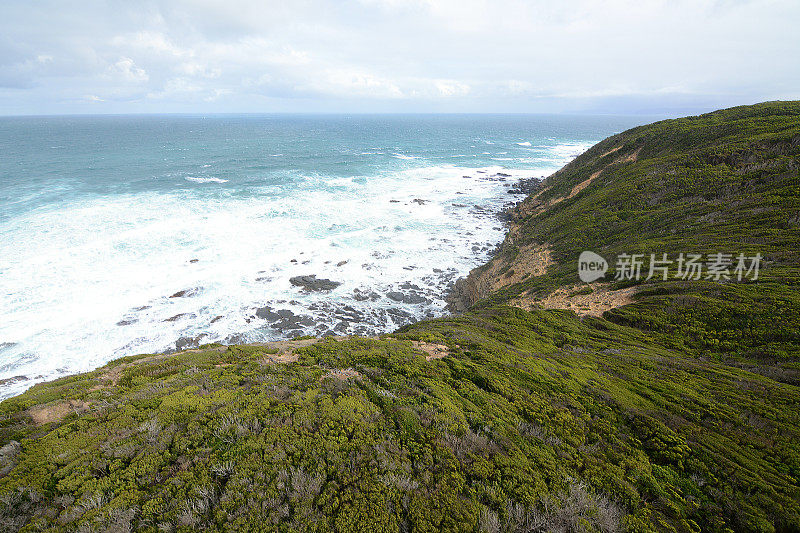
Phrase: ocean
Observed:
(122, 235)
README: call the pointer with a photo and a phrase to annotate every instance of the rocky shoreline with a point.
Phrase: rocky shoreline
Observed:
(467, 290)
(337, 317)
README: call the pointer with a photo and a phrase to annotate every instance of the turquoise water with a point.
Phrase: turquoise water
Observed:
(102, 219)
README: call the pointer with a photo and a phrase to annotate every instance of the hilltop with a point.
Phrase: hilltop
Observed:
(545, 404)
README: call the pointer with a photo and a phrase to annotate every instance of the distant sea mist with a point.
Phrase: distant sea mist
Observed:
(137, 234)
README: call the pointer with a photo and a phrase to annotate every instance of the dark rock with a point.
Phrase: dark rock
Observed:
(394, 201)
(188, 343)
(127, 322)
(194, 260)
(12, 380)
(505, 216)
(526, 186)
(348, 313)
(406, 298)
(363, 295)
(342, 263)
(420, 201)
(396, 296)
(177, 317)
(312, 283)
(503, 174)
(284, 319)
(267, 313)
(236, 338)
(186, 293)
(461, 295)
(216, 319)
(401, 316)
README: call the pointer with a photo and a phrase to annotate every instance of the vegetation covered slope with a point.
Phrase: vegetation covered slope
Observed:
(679, 412)
(725, 182)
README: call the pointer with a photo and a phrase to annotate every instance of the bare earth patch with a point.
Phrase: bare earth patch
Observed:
(529, 261)
(611, 151)
(286, 349)
(432, 351)
(582, 185)
(585, 183)
(57, 411)
(502, 271)
(633, 156)
(602, 299)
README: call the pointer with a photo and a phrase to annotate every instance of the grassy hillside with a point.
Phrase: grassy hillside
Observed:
(677, 412)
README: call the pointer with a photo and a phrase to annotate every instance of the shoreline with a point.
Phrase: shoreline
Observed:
(348, 321)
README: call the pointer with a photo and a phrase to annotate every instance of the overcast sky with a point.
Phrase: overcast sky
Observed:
(671, 56)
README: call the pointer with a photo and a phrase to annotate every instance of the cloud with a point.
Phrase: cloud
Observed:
(150, 41)
(399, 55)
(348, 81)
(451, 88)
(127, 71)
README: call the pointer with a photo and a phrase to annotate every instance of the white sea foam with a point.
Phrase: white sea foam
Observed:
(567, 150)
(526, 143)
(90, 281)
(205, 180)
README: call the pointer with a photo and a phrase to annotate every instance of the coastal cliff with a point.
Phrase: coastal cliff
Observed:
(633, 403)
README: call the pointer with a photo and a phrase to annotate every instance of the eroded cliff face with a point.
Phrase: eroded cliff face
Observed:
(517, 262)
(510, 266)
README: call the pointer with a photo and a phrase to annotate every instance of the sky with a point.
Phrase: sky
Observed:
(354, 56)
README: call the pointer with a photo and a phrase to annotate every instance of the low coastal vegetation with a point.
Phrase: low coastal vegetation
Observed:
(679, 411)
